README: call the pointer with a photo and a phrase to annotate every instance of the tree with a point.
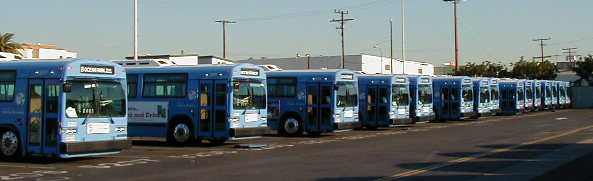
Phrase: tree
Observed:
(485, 69)
(584, 69)
(8, 45)
(534, 70)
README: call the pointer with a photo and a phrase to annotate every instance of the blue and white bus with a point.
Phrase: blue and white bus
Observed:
(453, 98)
(421, 98)
(547, 95)
(512, 94)
(481, 105)
(384, 100)
(494, 96)
(186, 104)
(564, 94)
(62, 108)
(538, 96)
(555, 93)
(312, 101)
(529, 95)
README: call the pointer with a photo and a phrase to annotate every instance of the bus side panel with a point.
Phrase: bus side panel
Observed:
(13, 114)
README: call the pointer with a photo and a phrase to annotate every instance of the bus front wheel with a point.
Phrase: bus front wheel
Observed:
(10, 145)
(292, 127)
(180, 133)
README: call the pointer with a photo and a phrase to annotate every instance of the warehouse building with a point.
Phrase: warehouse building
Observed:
(185, 59)
(367, 64)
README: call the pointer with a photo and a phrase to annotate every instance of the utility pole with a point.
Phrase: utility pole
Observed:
(570, 52)
(135, 30)
(571, 59)
(455, 19)
(308, 61)
(403, 37)
(342, 20)
(541, 44)
(391, 47)
(224, 22)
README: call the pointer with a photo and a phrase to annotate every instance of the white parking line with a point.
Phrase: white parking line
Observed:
(25, 166)
(343, 130)
(246, 138)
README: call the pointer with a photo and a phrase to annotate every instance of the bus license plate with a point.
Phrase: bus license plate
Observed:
(251, 117)
(98, 128)
(348, 114)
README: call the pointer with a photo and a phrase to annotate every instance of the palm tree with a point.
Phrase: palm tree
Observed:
(8, 45)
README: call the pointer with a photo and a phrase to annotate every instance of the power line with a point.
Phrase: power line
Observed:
(341, 21)
(309, 13)
(224, 22)
(541, 43)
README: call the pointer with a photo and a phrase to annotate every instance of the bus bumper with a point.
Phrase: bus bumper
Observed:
(469, 115)
(246, 132)
(402, 121)
(95, 147)
(347, 125)
(425, 118)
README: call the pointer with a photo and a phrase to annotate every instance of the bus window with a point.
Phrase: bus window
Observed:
(484, 95)
(96, 99)
(249, 95)
(425, 92)
(347, 94)
(52, 98)
(7, 81)
(529, 92)
(494, 92)
(467, 94)
(35, 105)
(521, 93)
(401, 95)
(132, 85)
(164, 85)
(282, 87)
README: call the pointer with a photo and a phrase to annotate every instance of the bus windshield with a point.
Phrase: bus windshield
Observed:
(538, 92)
(347, 94)
(528, 93)
(468, 93)
(484, 95)
(548, 92)
(249, 95)
(494, 92)
(401, 95)
(521, 93)
(425, 92)
(95, 98)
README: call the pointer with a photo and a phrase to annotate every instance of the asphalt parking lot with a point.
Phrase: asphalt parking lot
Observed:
(519, 147)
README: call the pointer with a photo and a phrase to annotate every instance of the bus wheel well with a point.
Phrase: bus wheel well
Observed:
(291, 114)
(181, 118)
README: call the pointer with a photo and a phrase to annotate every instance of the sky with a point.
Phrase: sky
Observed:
(495, 30)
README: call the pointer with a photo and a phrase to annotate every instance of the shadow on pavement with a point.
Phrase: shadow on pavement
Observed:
(495, 165)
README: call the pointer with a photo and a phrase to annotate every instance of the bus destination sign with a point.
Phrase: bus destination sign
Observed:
(96, 69)
(249, 72)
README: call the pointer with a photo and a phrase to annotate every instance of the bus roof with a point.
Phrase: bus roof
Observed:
(244, 69)
(59, 68)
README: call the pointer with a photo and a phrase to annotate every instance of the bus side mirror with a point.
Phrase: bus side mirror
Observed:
(67, 87)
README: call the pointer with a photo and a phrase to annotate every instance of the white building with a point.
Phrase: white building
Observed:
(4, 56)
(367, 64)
(185, 59)
(41, 51)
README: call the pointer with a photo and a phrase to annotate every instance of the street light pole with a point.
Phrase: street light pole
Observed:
(308, 61)
(455, 19)
(135, 30)
(224, 22)
(403, 37)
(391, 45)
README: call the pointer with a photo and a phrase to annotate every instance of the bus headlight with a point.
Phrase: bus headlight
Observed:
(235, 122)
(337, 118)
(121, 129)
(69, 131)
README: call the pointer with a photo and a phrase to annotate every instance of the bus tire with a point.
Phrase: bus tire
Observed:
(10, 145)
(180, 133)
(291, 126)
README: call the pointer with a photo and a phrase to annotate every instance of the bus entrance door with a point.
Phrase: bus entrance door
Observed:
(319, 108)
(377, 106)
(42, 118)
(213, 109)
